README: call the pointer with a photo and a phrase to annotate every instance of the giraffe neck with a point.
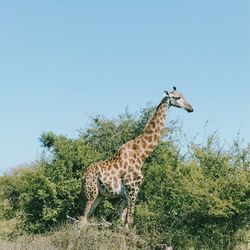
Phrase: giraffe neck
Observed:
(154, 128)
(156, 122)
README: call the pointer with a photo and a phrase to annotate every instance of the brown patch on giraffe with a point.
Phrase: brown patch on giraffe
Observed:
(158, 130)
(143, 156)
(139, 149)
(115, 182)
(149, 138)
(128, 178)
(131, 154)
(143, 143)
(121, 172)
(137, 164)
(148, 152)
(138, 182)
(130, 168)
(131, 160)
(134, 146)
(155, 137)
(153, 124)
(151, 146)
(125, 155)
(115, 166)
(138, 161)
(125, 164)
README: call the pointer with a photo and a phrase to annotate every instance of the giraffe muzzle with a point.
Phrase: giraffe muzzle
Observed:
(189, 109)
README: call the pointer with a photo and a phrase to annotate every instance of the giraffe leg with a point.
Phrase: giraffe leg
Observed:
(90, 208)
(131, 198)
(92, 197)
(123, 210)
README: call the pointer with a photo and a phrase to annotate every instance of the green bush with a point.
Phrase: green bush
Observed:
(202, 201)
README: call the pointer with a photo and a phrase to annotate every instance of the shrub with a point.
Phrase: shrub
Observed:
(203, 201)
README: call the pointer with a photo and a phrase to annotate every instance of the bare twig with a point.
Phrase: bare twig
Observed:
(104, 223)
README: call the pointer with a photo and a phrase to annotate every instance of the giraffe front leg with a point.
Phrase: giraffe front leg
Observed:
(131, 199)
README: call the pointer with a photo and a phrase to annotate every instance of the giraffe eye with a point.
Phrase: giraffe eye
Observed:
(177, 97)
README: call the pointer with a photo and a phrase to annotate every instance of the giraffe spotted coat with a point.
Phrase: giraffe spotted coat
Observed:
(122, 175)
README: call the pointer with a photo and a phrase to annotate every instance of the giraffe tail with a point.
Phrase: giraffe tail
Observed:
(83, 185)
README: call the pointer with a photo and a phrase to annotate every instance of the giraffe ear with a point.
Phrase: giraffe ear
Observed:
(166, 92)
(174, 88)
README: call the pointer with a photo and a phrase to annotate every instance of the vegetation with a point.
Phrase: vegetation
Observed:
(195, 198)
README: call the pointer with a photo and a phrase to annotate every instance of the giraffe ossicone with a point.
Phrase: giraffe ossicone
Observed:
(122, 174)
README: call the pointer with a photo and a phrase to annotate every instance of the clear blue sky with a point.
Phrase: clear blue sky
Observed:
(61, 61)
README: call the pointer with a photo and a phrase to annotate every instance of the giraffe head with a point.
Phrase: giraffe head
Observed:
(177, 100)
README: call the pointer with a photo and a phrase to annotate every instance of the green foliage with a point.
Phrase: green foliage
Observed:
(44, 193)
(204, 200)
(200, 199)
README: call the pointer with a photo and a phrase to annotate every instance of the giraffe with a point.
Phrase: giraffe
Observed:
(122, 174)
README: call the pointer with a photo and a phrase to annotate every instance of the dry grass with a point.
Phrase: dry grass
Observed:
(73, 237)
(6, 228)
(245, 245)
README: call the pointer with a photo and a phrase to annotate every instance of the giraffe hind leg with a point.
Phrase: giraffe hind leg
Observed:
(96, 202)
(90, 208)
(123, 210)
(92, 196)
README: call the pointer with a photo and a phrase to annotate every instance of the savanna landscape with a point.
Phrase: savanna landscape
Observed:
(99, 150)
